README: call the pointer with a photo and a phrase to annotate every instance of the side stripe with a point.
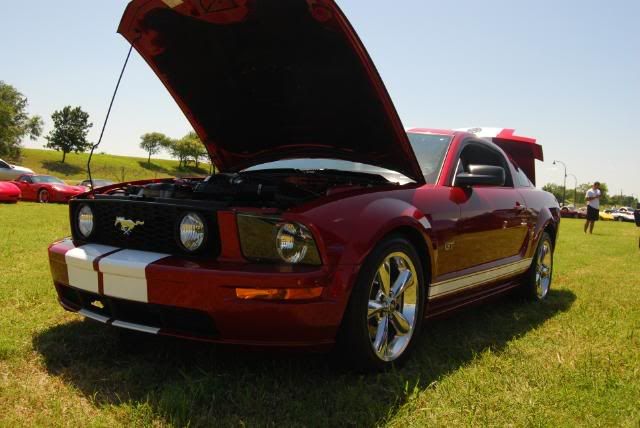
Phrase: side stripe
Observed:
(439, 289)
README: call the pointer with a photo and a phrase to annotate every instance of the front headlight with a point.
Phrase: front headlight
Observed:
(269, 239)
(85, 221)
(192, 232)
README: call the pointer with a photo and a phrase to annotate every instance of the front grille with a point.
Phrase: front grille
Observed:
(159, 233)
(169, 318)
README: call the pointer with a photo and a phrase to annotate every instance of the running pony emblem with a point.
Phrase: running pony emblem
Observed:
(126, 225)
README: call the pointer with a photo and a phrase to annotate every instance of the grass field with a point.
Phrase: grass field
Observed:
(571, 361)
(108, 167)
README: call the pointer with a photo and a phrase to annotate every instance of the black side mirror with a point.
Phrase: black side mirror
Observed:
(482, 175)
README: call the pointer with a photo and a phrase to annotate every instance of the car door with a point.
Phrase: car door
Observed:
(25, 183)
(491, 230)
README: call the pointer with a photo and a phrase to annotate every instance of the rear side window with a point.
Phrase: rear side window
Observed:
(4, 165)
(520, 178)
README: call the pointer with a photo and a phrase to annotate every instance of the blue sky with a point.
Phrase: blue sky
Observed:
(566, 72)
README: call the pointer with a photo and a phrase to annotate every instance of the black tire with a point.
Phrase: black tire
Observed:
(43, 196)
(530, 287)
(354, 341)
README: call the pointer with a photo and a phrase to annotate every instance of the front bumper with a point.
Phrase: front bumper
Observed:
(167, 295)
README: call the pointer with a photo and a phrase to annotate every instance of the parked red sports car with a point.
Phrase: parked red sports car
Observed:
(329, 222)
(9, 192)
(45, 188)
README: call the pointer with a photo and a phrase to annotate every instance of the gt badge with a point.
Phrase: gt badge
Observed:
(126, 225)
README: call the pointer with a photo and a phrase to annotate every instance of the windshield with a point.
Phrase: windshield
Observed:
(429, 149)
(46, 179)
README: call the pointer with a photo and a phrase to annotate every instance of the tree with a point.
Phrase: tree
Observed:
(15, 123)
(581, 191)
(194, 147)
(69, 133)
(186, 148)
(177, 149)
(152, 143)
(555, 189)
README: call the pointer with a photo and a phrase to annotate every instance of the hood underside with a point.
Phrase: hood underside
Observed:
(265, 80)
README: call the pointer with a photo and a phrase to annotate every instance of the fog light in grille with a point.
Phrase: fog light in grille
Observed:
(85, 221)
(192, 231)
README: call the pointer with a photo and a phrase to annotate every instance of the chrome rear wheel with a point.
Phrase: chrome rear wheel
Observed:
(544, 269)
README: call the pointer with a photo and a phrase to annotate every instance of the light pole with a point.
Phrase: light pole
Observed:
(564, 189)
(575, 190)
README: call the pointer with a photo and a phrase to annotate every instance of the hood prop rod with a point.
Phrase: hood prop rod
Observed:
(106, 119)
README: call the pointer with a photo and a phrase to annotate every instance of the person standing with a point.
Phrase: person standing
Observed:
(593, 206)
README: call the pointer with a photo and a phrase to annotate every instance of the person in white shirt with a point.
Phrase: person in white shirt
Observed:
(593, 206)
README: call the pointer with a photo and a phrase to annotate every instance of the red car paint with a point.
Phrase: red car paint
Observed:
(490, 228)
(474, 242)
(9, 192)
(33, 190)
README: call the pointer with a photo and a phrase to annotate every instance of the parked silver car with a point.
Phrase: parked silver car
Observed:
(10, 172)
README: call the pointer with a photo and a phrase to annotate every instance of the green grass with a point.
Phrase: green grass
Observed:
(571, 361)
(108, 167)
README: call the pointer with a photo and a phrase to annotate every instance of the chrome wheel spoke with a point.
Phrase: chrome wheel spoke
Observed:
(375, 308)
(404, 281)
(384, 278)
(400, 323)
(382, 337)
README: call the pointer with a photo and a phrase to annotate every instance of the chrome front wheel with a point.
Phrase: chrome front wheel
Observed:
(384, 315)
(391, 315)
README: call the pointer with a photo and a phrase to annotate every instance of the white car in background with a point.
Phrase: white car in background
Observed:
(10, 172)
(623, 215)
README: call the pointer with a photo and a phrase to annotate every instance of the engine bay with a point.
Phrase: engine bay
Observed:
(263, 188)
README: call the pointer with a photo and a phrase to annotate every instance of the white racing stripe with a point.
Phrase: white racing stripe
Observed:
(80, 265)
(124, 274)
(446, 287)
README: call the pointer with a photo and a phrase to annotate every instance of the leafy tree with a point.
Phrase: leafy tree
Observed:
(555, 189)
(580, 192)
(15, 123)
(195, 148)
(152, 143)
(69, 133)
(177, 149)
(186, 148)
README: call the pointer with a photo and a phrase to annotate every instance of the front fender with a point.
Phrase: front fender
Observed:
(349, 229)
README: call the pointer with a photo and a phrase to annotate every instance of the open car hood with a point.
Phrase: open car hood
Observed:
(266, 80)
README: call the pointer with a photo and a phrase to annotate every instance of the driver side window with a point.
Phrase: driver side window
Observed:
(480, 154)
(25, 179)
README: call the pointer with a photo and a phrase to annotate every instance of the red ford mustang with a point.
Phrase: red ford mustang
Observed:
(9, 192)
(45, 189)
(329, 224)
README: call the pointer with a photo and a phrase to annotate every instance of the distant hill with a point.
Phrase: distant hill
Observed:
(108, 167)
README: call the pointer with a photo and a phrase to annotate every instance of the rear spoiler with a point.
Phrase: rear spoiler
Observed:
(523, 150)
